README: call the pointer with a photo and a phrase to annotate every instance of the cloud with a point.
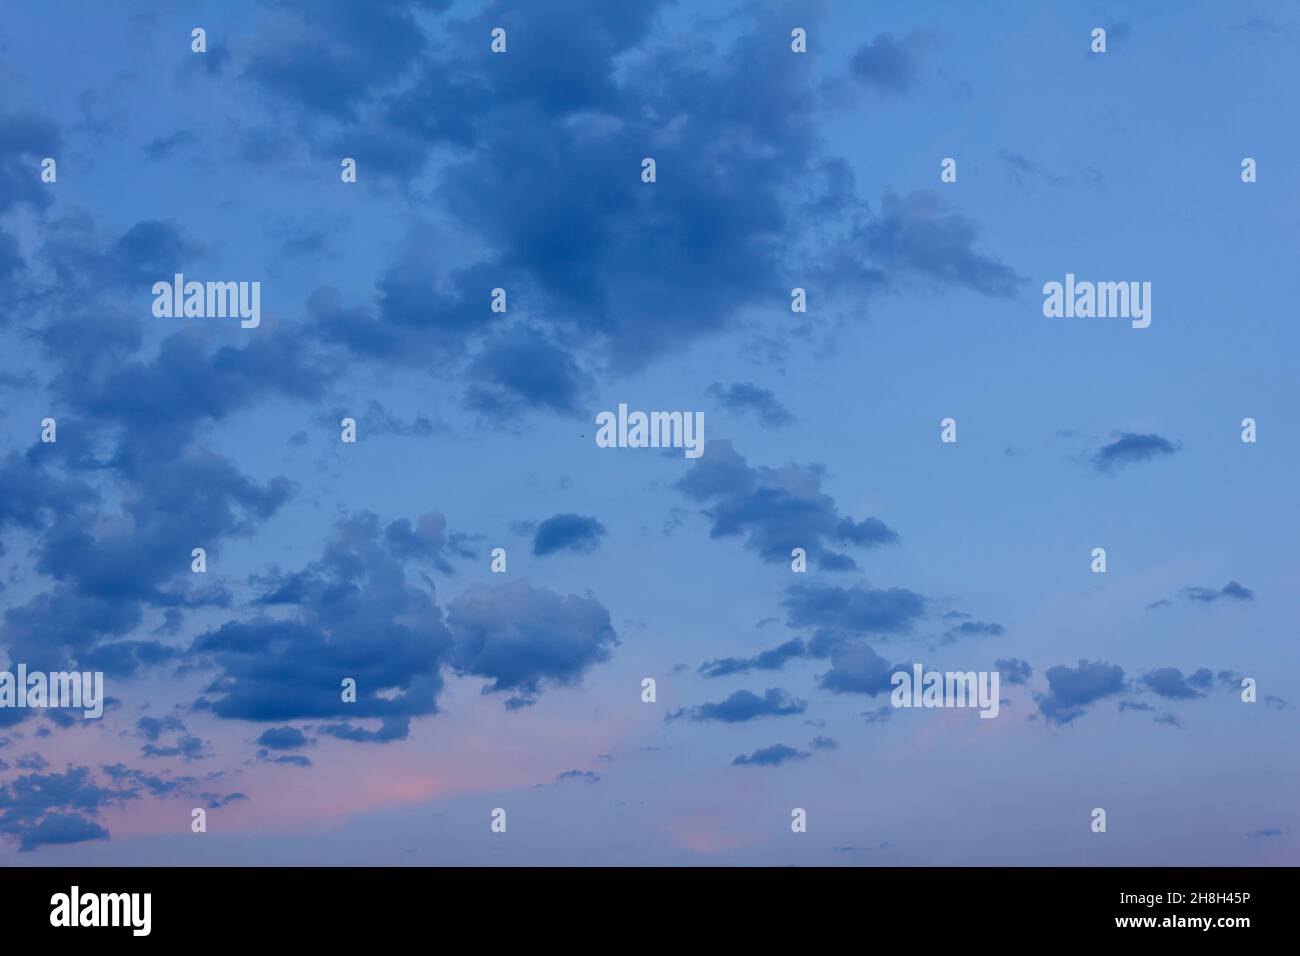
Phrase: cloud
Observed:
(571, 532)
(151, 728)
(428, 540)
(60, 828)
(1232, 590)
(378, 420)
(605, 292)
(1169, 682)
(973, 629)
(164, 147)
(390, 729)
(282, 738)
(521, 638)
(38, 809)
(28, 139)
(770, 660)
(585, 776)
(886, 64)
(1264, 834)
(921, 234)
(746, 396)
(1071, 688)
(289, 760)
(1129, 448)
(525, 370)
(857, 669)
(187, 747)
(777, 510)
(772, 756)
(858, 610)
(743, 705)
(353, 613)
(1013, 670)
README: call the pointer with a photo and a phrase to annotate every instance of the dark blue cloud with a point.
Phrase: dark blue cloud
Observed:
(525, 370)
(856, 610)
(59, 828)
(585, 776)
(1013, 670)
(1129, 448)
(334, 58)
(886, 64)
(570, 532)
(355, 614)
(973, 629)
(288, 760)
(770, 660)
(1169, 682)
(187, 747)
(282, 738)
(428, 540)
(593, 88)
(772, 756)
(28, 139)
(857, 669)
(748, 397)
(920, 235)
(390, 729)
(151, 728)
(55, 808)
(1231, 590)
(743, 705)
(777, 509)
(1070, 689)
(523, 638)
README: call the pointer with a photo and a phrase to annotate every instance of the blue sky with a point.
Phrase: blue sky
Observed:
(476, 430)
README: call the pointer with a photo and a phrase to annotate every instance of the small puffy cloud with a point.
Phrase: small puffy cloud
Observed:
(1128, 448)
(1232, 591)
(282, 738)
(744, 705)
(770, 660)
(857, 669)
(1070, 689)
(853, 610)
(777, 510)
(748, 397)
(1013, 670)
(571, 532)
(1169, 682)
(522, 638)
(887, 64)
(772, 756)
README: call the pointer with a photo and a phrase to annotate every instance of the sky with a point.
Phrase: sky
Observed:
(523, 690)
